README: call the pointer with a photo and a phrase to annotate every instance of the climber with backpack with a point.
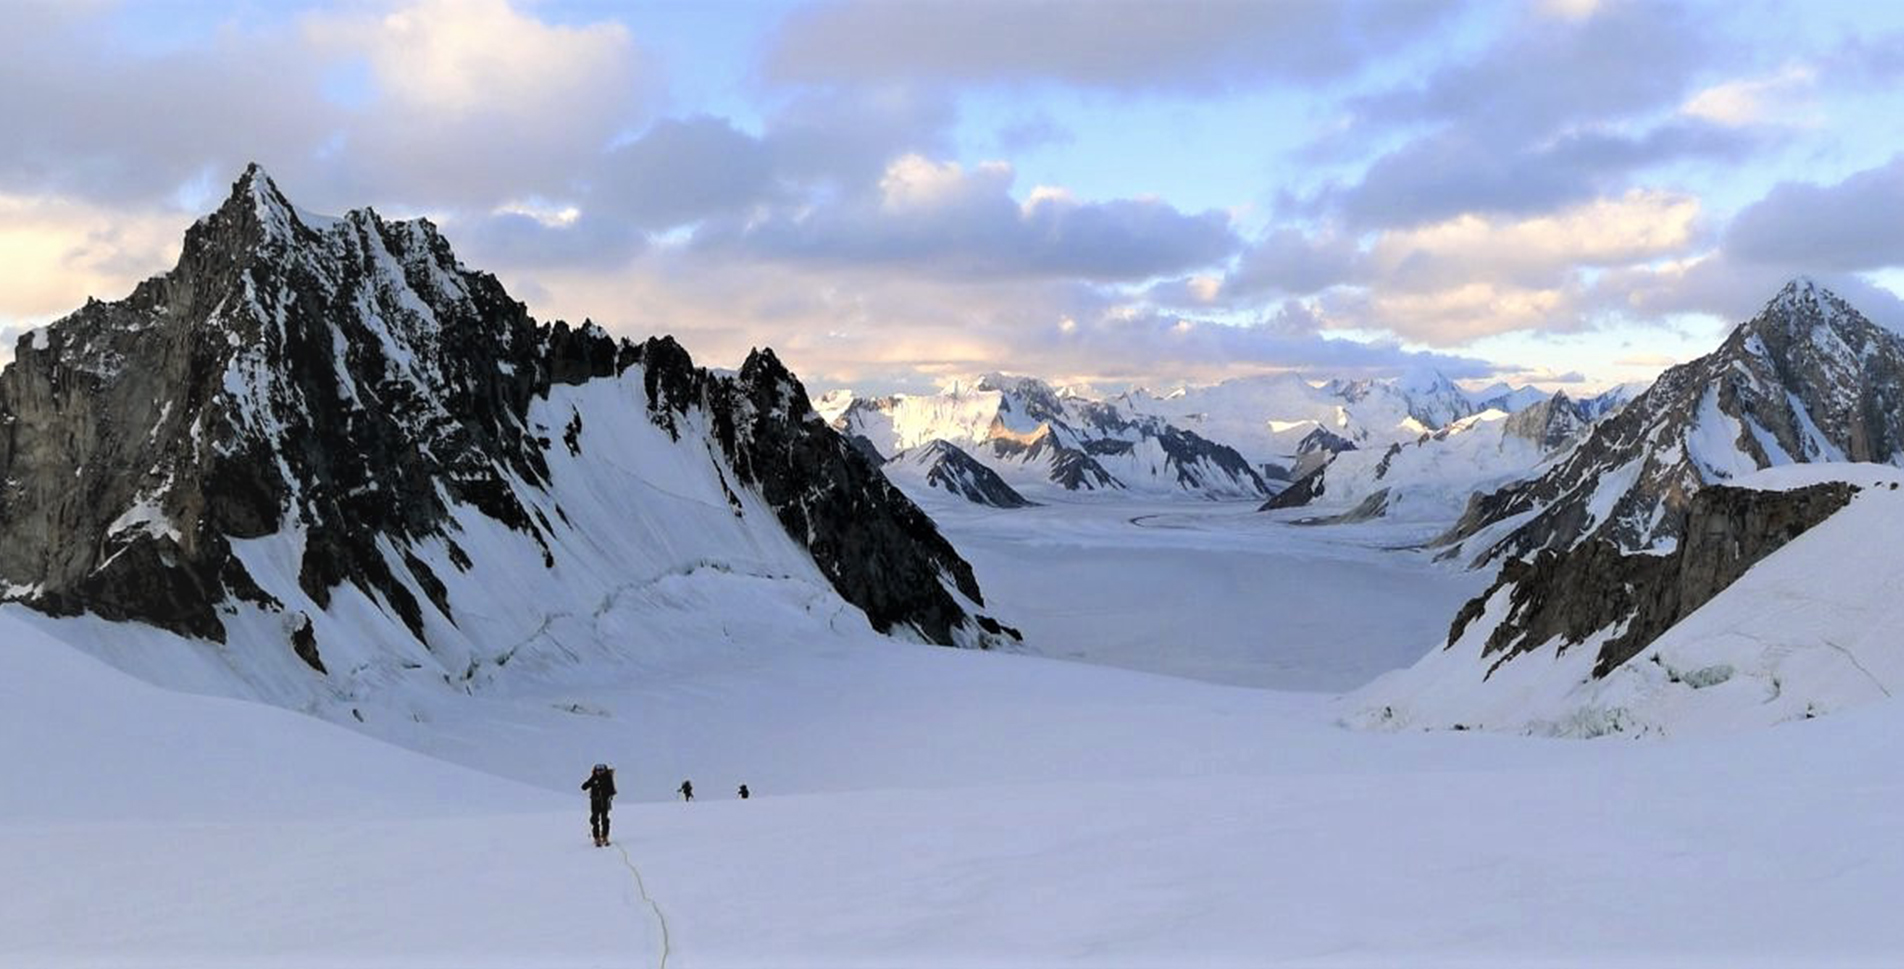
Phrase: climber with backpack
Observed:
(601, 796)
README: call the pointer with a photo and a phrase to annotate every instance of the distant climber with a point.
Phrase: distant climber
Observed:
(601, 796)
(743, 792)
(686, 790)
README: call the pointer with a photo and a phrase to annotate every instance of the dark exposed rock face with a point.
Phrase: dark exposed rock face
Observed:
(337, 379)
(350, 380)
(1552, 424)
(1305, 490)
(878, 549)
(1594, 586)
(1071, 468)
(1192, 457)
(1368, 509)
(947, 467)
(1323, 439)
(1808, 379)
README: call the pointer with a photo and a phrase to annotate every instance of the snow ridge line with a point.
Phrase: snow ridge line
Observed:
(667, 945)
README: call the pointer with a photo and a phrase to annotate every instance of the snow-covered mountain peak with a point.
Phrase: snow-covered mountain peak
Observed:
(1802, 305)
(1809, 379)
(1038, 400)
(343, 419)
(1425, 380)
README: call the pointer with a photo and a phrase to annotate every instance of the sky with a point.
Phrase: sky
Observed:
(893, 194)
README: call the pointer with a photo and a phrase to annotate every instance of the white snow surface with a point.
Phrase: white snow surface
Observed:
(1011, 424)
(920, 806)
(1809, 630)
(1430, 478)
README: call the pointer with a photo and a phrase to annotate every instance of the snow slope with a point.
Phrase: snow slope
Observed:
(927, 807)
(1430, 478)
(141, 827)
(649, 551)
(1807, 631)
(1211, 591)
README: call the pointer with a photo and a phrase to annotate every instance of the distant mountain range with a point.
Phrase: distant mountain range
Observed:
(1245, 438)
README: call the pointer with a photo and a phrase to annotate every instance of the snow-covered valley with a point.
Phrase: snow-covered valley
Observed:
(310, 628)
(921, 806)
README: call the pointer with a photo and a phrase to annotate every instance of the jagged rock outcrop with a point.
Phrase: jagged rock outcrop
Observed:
(1595, 586)
(1323, 441)
(945, 466)
(1551, 424)
(1808, 379)
(348, 389)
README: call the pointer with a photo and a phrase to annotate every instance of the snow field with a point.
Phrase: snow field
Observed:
(1808, 631)
(926, 807)
(143, 827)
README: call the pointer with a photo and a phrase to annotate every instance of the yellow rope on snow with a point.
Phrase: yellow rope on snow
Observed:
(667, 946)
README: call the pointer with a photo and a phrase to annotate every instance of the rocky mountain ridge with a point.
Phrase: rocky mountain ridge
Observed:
(1032, 436)
(1807, 379)
(345, 390)
(1432, 476)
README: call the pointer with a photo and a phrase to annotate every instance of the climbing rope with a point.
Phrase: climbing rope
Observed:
(667, 946)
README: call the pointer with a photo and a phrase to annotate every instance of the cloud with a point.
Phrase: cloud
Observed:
(1752, 101)
(1461, 313)
(86, 118)
(1867, 56)
(1556, 111)
(1026, 134)
(55, 252)
(1540, 251)
(1717, 285)
(943, 218)
(1450, 282)
(473, 100)
(1144, 346)
(1545, 73)
(870, 328)
(1570, 9)
(524, 239)
(1451, 172)
(1850, 226)
(447, 103)
(1194, 46)
(1287, 260)
(682, 171)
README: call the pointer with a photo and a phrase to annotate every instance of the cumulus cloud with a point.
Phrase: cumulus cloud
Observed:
(1547, 73)
(1540, 251)
(870, 328)
(1556, 111)
(944, 218)
(1451, 172)
(1849, 226)
(1753, 100)
(85, 117)
(56, 252)
(846, 217)
(682, 171)
(1450, 282)
(1720, 286)
(1190, 46)
(460, 103)
(473, 100)
(1288, 260)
